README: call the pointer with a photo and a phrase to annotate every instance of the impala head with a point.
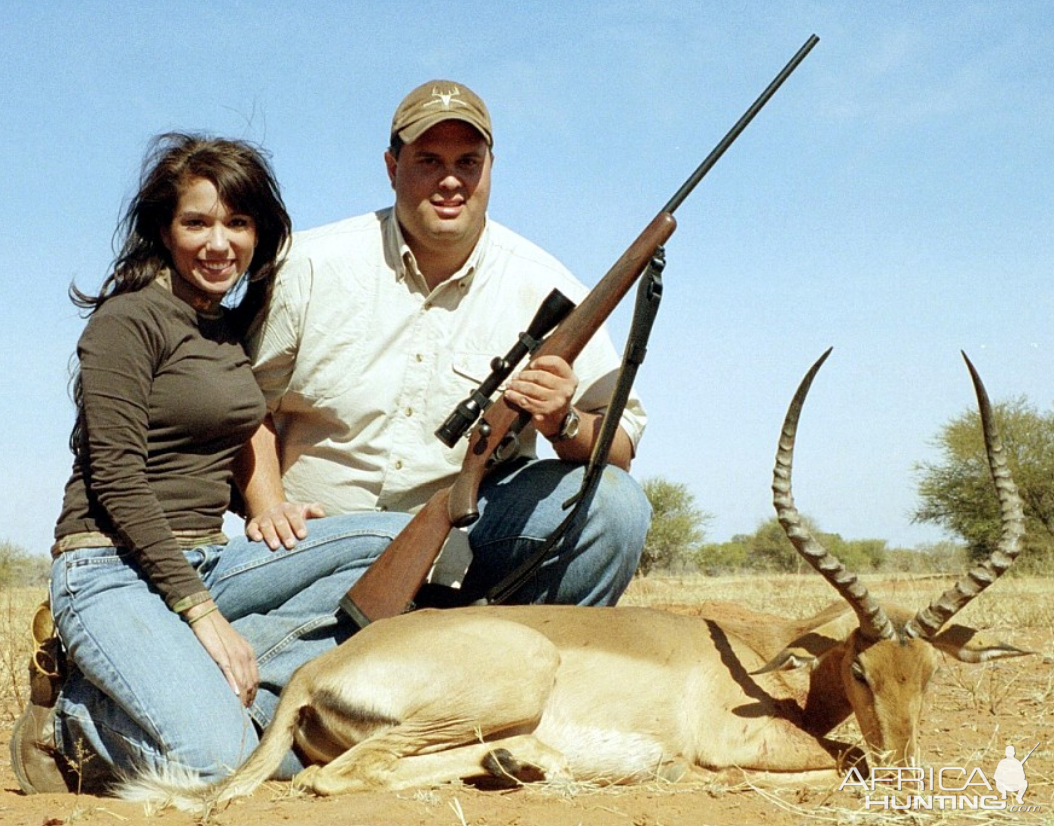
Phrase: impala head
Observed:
(885, 682)
(885, 658)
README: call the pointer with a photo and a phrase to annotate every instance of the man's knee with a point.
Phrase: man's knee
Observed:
(622, 509)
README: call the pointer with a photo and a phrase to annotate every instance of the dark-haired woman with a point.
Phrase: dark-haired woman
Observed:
(178, 640)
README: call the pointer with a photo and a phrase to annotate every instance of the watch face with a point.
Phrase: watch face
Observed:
(569, 429)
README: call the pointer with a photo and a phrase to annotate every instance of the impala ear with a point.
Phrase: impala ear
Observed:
(968, 645)
(831, 627)
(788, 660)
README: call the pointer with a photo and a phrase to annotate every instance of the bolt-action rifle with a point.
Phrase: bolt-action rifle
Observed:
(391, 582)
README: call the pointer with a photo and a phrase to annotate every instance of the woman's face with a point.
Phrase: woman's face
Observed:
(210, 245)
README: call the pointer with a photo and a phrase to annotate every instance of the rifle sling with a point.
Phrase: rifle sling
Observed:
(649, 294)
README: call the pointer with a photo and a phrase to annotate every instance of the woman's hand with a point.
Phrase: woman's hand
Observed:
(283, 524)
(229, 649)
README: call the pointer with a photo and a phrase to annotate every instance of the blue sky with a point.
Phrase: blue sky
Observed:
(893, 200)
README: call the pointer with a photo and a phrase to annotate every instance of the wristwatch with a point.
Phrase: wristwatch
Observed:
(568, 427)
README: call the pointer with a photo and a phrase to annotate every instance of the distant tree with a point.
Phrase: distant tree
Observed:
(678, 526)
(858, 555)
(946, 557)
(957, 493)
(19, 568)
(718, 558)
(769, 549)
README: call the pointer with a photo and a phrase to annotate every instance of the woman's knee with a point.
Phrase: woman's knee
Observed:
(215, 753)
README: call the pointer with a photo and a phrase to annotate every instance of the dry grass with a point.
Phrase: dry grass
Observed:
(16, 611)
(1012, 603)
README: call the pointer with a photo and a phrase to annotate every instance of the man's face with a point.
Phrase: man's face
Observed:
(442, 186)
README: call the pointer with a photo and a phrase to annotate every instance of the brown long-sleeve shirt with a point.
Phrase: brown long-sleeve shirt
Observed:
(169, 399)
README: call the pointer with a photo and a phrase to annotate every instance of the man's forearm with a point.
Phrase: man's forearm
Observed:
(580, 448)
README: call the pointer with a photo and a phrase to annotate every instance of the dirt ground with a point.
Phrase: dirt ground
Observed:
(973, 712)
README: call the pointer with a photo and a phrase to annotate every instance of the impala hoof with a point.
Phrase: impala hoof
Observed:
(503, 765)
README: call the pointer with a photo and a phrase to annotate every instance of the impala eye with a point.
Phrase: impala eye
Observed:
(857, 671)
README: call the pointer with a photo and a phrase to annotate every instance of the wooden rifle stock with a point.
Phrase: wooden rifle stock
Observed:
(389, 586)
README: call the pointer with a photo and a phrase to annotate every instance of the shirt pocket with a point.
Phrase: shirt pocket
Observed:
(463, 374)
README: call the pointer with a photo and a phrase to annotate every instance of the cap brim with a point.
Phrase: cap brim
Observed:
(412, 132)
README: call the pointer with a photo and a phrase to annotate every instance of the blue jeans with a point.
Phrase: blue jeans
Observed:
(143, 691)
(522, 504)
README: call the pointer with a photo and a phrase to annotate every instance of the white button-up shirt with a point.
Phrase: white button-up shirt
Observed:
(360, 362)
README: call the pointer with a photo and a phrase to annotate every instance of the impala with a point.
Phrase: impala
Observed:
(621, 695)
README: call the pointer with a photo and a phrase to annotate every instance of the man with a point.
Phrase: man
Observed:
(381, 324)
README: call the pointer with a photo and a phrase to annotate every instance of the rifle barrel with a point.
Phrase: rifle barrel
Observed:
(741, 124)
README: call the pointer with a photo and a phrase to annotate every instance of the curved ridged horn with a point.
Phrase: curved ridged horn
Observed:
(929, 621)
(874, 624)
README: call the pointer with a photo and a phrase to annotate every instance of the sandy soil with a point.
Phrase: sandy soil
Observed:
(973, 712)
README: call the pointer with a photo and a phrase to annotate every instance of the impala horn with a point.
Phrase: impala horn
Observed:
(874, 624)
(929, 621)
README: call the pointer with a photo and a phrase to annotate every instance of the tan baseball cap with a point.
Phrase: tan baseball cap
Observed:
(437, 101)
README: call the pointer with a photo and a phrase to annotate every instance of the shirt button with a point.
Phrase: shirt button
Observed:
(398, 464)
(419, 357)
(409, 411)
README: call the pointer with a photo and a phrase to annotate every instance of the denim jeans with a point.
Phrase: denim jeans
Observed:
(143, 691)
(522, 504)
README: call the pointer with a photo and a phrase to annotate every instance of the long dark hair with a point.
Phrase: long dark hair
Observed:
(245, 182)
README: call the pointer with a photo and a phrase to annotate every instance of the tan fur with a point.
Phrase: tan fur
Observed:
(611, 695)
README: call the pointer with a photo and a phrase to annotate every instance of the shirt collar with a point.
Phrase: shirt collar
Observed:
(405, 264)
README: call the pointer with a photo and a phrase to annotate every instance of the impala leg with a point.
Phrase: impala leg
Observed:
(453, 713)
(382, 762)
(509, 761)
(371, 763)
(741, 778)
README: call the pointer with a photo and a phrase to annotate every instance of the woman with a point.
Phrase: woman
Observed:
(178, 640)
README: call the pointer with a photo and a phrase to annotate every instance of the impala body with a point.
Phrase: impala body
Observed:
(622, 695)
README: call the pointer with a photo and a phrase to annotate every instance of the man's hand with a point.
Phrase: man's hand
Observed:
(271, 519)
(544, 389)
(283, 524)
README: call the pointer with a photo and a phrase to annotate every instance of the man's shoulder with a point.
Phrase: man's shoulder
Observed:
(524, 253)
(339, 236)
